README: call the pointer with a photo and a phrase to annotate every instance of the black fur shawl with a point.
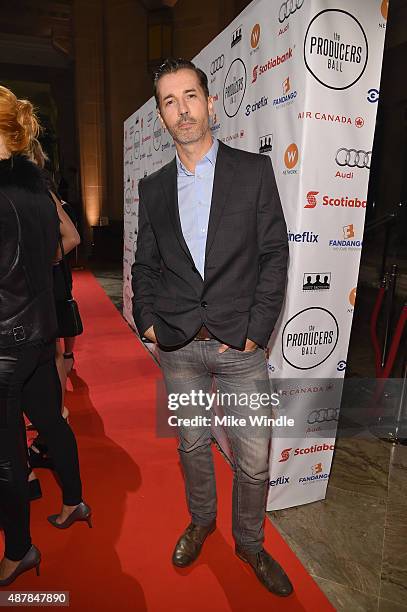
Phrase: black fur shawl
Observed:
(19, 171)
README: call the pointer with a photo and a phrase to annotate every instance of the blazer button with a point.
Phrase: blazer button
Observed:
(204, 304)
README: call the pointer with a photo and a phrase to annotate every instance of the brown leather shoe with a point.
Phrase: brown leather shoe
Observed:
(268, 571)
(190, 543)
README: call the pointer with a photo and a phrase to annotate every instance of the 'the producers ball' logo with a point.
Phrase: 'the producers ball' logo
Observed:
(309, 338)
(234, 87)
(335, 49)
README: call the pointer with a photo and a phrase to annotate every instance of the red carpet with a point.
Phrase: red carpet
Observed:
(132, 480)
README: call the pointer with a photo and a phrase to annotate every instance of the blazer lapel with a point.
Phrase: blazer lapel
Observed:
(169, 186)
(224, 174)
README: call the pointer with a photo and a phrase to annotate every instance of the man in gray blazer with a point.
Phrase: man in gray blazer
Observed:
(208, 281)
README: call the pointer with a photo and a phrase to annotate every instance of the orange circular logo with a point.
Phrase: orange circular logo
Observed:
(352, 296)
(255, 37)
(291, 156)
(384, 9)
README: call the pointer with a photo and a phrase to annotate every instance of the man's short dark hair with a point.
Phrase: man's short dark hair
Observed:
(173, 65)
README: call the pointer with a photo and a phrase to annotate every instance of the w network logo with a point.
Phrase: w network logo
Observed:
(291, 156)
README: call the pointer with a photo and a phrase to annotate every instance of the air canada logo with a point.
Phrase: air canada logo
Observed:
(266, 143)
(157, 134)
(255, 36)
(316, 281)
(309, 338)
(234, 87)
(335, 49)
(236, 36)
(332, 118)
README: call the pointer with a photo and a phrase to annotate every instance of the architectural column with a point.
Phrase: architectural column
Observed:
(88, 29)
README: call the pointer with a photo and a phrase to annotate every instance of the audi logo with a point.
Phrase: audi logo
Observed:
(353, 158)
(288, 8)
(217, 64)
(323, 415)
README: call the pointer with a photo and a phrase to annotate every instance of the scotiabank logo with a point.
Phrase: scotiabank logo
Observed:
(315, 448)
(341, 202)
(258, 70)
(311, 199)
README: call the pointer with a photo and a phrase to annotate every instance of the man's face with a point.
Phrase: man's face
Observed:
(184, 108)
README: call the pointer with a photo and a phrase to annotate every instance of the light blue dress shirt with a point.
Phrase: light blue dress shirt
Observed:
(194, 203)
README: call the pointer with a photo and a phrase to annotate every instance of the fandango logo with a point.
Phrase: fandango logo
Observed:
(272, 63)
(287, 98)
(251, 108)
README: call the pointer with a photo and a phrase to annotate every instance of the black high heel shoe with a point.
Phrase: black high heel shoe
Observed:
(81, 513)
(31, 559)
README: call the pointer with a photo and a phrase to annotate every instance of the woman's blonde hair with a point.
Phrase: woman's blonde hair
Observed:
(18, 122)
(36, 153)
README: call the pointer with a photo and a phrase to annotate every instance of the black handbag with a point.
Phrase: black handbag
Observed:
(69, 319)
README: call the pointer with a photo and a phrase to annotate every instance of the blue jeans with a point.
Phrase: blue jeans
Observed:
(199, 366)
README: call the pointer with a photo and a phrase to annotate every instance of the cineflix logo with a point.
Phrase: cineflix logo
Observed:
(281, 480)
(252, 108)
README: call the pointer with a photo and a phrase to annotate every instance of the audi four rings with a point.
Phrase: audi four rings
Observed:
(288, 8)
(353, 158)
(217, 64)
(323, 415)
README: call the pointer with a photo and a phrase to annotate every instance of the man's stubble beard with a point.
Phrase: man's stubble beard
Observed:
(197, 133)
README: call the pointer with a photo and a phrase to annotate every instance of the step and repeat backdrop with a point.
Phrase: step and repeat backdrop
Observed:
(298, 81)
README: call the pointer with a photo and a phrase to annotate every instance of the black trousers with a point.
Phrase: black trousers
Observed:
(29, 383)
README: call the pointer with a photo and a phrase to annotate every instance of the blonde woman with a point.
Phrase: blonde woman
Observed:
(28, 377)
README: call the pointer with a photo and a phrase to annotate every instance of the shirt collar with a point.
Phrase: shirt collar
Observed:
(210, 156)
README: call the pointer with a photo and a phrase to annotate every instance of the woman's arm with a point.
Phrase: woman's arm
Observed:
(69, 233)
